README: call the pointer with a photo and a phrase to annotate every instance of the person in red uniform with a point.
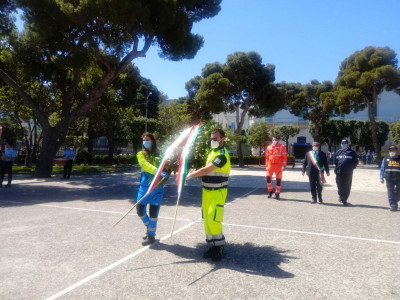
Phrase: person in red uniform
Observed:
(275, 162)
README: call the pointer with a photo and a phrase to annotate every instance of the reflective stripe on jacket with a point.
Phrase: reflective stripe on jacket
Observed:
(275, 154)
(218, 178)
(391, 168)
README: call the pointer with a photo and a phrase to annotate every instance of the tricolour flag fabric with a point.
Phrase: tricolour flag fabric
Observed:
(167, 154)
(314, 161)
(182, 171)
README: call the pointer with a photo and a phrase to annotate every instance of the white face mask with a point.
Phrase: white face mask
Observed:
(392, 154)
(214, 144)
(315, 148)
(274, 142)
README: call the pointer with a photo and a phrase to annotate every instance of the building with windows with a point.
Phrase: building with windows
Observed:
(387, 109)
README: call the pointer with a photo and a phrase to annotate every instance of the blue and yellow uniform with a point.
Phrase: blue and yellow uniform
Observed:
(215, 190)
(390, 170)
(148, 169)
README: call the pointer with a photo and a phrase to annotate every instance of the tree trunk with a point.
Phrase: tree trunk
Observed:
(287, 145)
(240, 154)
(316, 132)
(111, 145)
(91, 137)
(53, 138)
(377, 147)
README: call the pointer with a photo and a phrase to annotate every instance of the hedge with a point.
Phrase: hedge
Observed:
(84, 157)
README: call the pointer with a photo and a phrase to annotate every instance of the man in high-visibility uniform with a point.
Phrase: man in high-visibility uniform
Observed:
(215, 176)
(275, 162)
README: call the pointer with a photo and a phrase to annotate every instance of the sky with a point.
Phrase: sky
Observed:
(304, 39)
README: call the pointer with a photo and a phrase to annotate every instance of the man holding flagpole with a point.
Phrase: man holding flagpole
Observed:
(315, 163)
(215, 176)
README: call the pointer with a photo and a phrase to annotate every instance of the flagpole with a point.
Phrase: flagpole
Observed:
(161, 181)
(176, 212)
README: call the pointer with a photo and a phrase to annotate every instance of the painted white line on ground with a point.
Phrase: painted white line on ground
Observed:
(314, 233)
(97, 274)
(91, 210)
(252, 191)
(117, 263)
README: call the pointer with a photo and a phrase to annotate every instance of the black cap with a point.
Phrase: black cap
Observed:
(344, 141)
(393, 148)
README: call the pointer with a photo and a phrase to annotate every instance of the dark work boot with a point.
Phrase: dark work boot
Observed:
(217, 253)
(277, 196)
(149, 240)
(270, 194)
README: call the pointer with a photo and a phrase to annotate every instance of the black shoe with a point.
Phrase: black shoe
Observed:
(393, 209)
(340, 199)
(320, 201)
(217, 253)
(208, 253)
(150, 240)
(313, 201)
(144, 236)
(67, 177)
(7, 185)
(270, 194)
(277, 196)
(345, 203)
(63, 177)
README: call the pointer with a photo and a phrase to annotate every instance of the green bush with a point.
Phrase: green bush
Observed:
(125, 159)
(84, 157)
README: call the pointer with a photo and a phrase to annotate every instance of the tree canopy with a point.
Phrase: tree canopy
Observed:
(243, 85)
(305, 101)
(285, 132)
(395, 130)
(71, 51)
(362, 76)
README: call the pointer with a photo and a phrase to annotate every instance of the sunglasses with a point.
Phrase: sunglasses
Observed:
(214, 139)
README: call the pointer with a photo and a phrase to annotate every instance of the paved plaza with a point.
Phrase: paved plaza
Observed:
(57, 241)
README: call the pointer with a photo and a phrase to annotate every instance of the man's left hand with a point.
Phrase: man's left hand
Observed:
(283, 168)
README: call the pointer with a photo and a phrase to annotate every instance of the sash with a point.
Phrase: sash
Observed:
(321, 178)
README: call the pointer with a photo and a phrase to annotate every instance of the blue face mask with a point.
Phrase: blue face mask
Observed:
(147, 144)
(344, 146)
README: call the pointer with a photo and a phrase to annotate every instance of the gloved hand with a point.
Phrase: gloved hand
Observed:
(164, 174)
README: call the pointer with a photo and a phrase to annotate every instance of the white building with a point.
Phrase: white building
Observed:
(387, 109)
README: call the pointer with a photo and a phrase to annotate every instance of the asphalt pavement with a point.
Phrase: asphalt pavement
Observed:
(58, 241)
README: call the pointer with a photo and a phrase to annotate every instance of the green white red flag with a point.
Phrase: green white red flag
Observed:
(182, 171)
(167, 155)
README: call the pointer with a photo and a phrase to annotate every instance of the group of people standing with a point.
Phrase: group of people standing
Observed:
(215, 177)
(315, 164)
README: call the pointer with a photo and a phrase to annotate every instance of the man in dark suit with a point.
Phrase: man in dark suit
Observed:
(315, 163)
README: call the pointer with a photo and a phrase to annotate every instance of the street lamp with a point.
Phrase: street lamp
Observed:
(147, 102)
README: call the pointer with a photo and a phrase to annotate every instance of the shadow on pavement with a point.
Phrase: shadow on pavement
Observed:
(246, 258)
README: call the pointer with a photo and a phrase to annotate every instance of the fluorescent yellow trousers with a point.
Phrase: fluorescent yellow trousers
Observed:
(213, 214)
